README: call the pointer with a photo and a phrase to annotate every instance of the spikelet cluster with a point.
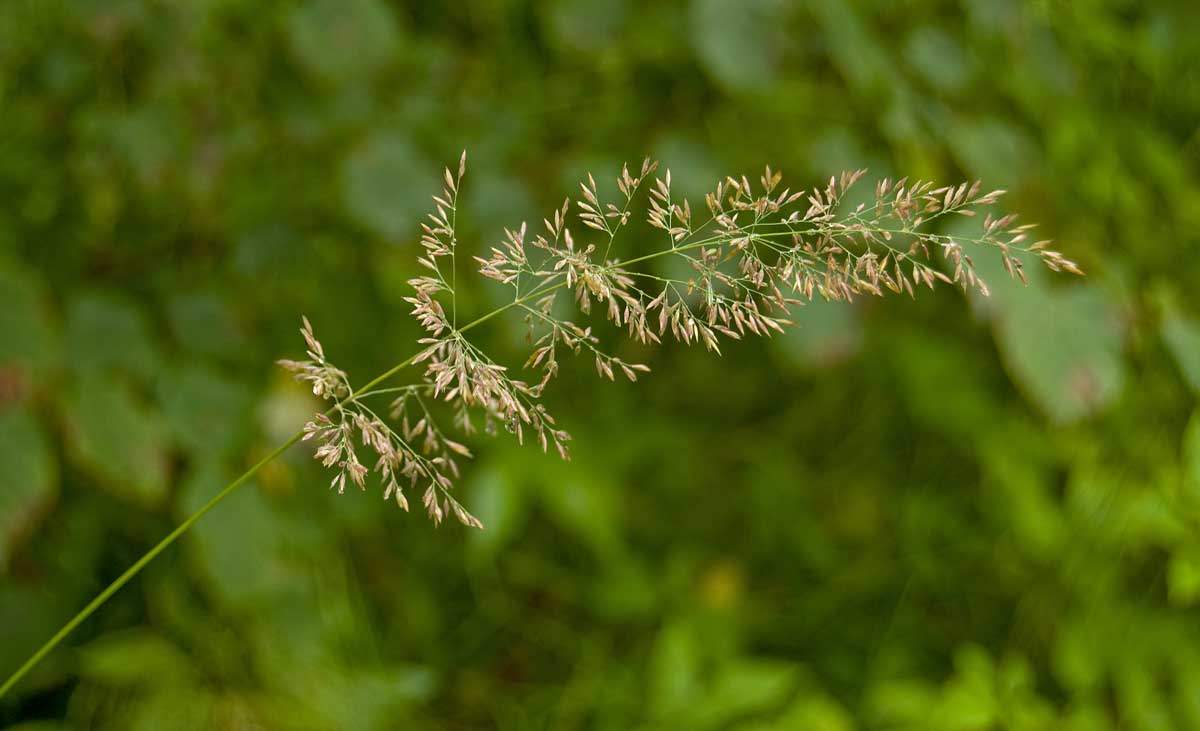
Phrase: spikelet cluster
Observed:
(753, 253)
(415, 454)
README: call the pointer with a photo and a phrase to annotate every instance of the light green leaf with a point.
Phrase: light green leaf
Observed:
(674, 669)
(30, 338)
(993, 149)
(1191, 459)
(1022, 494)
(939, 58)
(860, 57)
(811, 711)
(587, 25)
(116, 438)
(343, 40)
(243, 554)
(1182, 336)
(205, 411)
(1183, 578)
(180, 709)
(386, 185)
(144, 137)
(202, 322)
(370, 697)
(28, 478)
(691, 163)
(900, 701)
(746, 686)
(1078, 658)
(107, 331)
(826, 334)
(135, 657)
(1064, 348)
(738, 43)
(500, 503)
(583, 504)
(969, 698)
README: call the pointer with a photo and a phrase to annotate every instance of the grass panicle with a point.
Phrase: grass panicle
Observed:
(754, 255)
(757, 253)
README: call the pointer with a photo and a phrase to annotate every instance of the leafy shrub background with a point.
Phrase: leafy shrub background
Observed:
(912, 516)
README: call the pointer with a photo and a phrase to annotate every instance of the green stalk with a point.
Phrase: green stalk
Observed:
(229, 489)
(146, 558)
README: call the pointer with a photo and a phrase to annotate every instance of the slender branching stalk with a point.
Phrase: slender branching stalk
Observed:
(758, 252)
(754, 255)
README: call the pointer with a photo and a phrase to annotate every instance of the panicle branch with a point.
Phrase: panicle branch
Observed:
(760, 251)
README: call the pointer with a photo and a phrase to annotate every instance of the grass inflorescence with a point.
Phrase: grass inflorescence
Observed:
(754, 253)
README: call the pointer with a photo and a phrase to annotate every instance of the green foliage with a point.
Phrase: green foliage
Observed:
(914, 516)
(29, 480)
(117, 439)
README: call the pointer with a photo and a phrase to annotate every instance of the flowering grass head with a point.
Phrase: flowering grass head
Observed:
(756, 253)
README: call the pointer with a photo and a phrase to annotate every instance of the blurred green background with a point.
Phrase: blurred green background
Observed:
(934, 515)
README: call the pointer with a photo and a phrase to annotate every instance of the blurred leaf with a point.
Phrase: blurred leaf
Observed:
(809, 712)
(386, 185)
(584, 505)
(206, 412)
(1019, 699)
(1064, 348)
(939, 58)
(900, 703)
(692, 163)
(991, 149)
(1121, 514)
(500, 503)
(31, 339)
(738, 42)
(1079, 660)
(495, 198)
(343, 40)
(1088, 716)
(1191, 459)
(1188, 681)
(203, 323)
(28, 479)
(744, 686)
(1182, 335)
(368, 698)
(674, 682)
(860, 58)
(242, 552)
(968, 700)
(119, 440)
(627, 591)
(587, 25)
(284, 408)
(1183, 578)
(135, 657)
(931, 367)
(181, 709)
(108, 331)
(143, 137)
(838, 150)
(826, 334)
(1019, 490)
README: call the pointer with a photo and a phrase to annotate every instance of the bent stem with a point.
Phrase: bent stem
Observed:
(228, 490)
(146, 558)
